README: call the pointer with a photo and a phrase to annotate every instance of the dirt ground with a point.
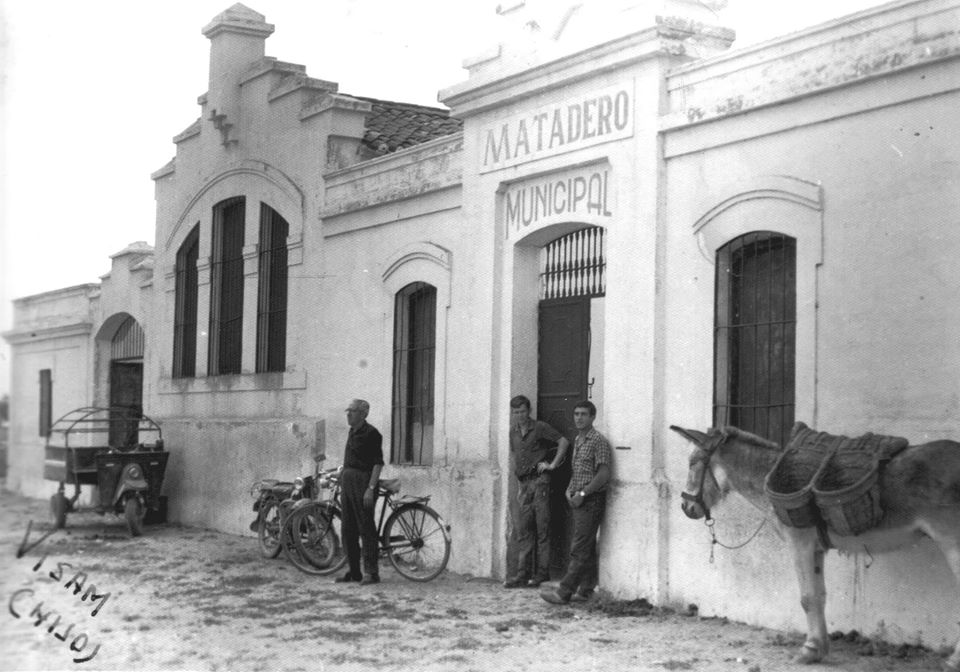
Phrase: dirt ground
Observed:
(190, 599)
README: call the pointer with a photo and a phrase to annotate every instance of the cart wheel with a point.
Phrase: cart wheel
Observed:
(133, 512)
(58, 508)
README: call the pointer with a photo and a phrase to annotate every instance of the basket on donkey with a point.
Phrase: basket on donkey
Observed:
(823, 478)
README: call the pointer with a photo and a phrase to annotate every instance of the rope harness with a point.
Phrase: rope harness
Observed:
(697, 497)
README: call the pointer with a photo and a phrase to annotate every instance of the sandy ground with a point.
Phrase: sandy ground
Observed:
(191, 599)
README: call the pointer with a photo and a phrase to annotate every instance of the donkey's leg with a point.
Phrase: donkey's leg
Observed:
(808, 557)
(947, 536)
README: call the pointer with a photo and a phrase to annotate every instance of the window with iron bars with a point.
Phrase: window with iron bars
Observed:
(185, 307)
(46, 402)
(127, 342)
(755, 334)
(272, 291)
(574, 265)
(414, 349)
(226, 288)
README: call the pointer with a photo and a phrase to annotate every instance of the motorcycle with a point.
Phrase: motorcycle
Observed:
(273, 501)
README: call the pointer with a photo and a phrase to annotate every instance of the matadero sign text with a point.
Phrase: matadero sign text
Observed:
(595, 118)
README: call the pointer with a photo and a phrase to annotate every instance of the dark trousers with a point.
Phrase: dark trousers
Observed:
(582, 572)
(358, 525)
(533, 527)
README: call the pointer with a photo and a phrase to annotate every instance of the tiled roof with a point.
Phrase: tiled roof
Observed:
(392, 126)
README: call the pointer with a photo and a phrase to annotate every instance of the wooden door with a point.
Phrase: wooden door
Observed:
(564, 356)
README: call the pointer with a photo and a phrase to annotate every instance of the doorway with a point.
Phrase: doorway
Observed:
(564, 354)
(572, 276)
(126, 384)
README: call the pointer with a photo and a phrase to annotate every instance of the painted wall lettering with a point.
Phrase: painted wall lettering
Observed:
(605, 115)
(574, 195)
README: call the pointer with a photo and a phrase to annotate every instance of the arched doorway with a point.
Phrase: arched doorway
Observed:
(126, 381)
(571, 287)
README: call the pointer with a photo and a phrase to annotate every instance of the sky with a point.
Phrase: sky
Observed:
(92, 93)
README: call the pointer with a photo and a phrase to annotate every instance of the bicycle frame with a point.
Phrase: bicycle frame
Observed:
(385, 492)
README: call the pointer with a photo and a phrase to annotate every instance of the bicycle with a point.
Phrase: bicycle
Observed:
(414, 537)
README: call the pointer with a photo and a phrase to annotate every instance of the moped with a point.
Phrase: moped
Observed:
(273, 500)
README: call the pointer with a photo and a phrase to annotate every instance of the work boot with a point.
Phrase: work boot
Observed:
(347, 578)
(554, 596)
(581, 596)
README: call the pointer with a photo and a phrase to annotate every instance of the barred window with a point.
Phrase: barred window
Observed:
(574, 265)
(46, 402)
(755, 334)
(127, 342)
(226, 288)
(185, 307)
(414, 347)
(272, 294)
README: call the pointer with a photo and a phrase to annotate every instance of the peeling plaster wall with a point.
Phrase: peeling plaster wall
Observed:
(883, 153)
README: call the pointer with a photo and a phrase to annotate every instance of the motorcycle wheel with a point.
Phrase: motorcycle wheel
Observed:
(268, 529)
(311, 540)
(58, 508)
(133, 512)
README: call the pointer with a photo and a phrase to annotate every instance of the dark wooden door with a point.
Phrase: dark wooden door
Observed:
(126, 391)
(564, 356)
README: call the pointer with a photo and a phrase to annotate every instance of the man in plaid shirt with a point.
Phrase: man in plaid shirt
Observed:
(588, 497)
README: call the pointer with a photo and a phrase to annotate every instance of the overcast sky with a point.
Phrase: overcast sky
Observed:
(93, 92)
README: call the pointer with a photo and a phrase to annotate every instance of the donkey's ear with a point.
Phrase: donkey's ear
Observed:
(692, 435)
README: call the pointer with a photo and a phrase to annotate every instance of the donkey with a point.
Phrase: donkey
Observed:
(919, 494)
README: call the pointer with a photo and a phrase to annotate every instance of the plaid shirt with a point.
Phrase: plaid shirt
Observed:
(589, 452)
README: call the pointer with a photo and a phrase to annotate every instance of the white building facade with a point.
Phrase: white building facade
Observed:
(612, 197)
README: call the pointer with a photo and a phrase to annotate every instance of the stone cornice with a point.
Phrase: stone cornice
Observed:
(670, 36)
(335, 101)
(240, 20)
(870, 44)
(24, 336)
(189, 132)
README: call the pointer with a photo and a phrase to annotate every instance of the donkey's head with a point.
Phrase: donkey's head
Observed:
(703, 489)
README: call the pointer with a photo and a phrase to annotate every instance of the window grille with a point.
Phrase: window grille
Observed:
(185, 307)
(226, 288)
(574, 265)
(46, 402)
(414, 348)
(127, 343)
(272, 294)
(755, 334)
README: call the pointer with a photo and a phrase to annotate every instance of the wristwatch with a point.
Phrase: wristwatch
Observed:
(582, 493)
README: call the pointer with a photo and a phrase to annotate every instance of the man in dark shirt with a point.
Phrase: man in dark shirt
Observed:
(362, 462)
(537, 449)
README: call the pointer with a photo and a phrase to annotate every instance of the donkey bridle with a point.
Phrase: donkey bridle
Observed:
(708, 452)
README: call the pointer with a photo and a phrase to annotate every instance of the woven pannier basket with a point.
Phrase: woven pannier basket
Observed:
(848, 493)
(789, 486)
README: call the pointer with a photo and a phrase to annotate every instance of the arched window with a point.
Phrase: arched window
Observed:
(755, 334)
(226, 288)
(127, 343)
(272, 293)
(574, 265)
(414, 350)
(185, 307)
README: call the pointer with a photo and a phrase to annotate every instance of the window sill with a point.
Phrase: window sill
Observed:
(242, 382)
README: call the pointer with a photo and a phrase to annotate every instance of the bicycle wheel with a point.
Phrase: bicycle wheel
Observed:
(417, 542)
(268, 529)
(316, 541)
